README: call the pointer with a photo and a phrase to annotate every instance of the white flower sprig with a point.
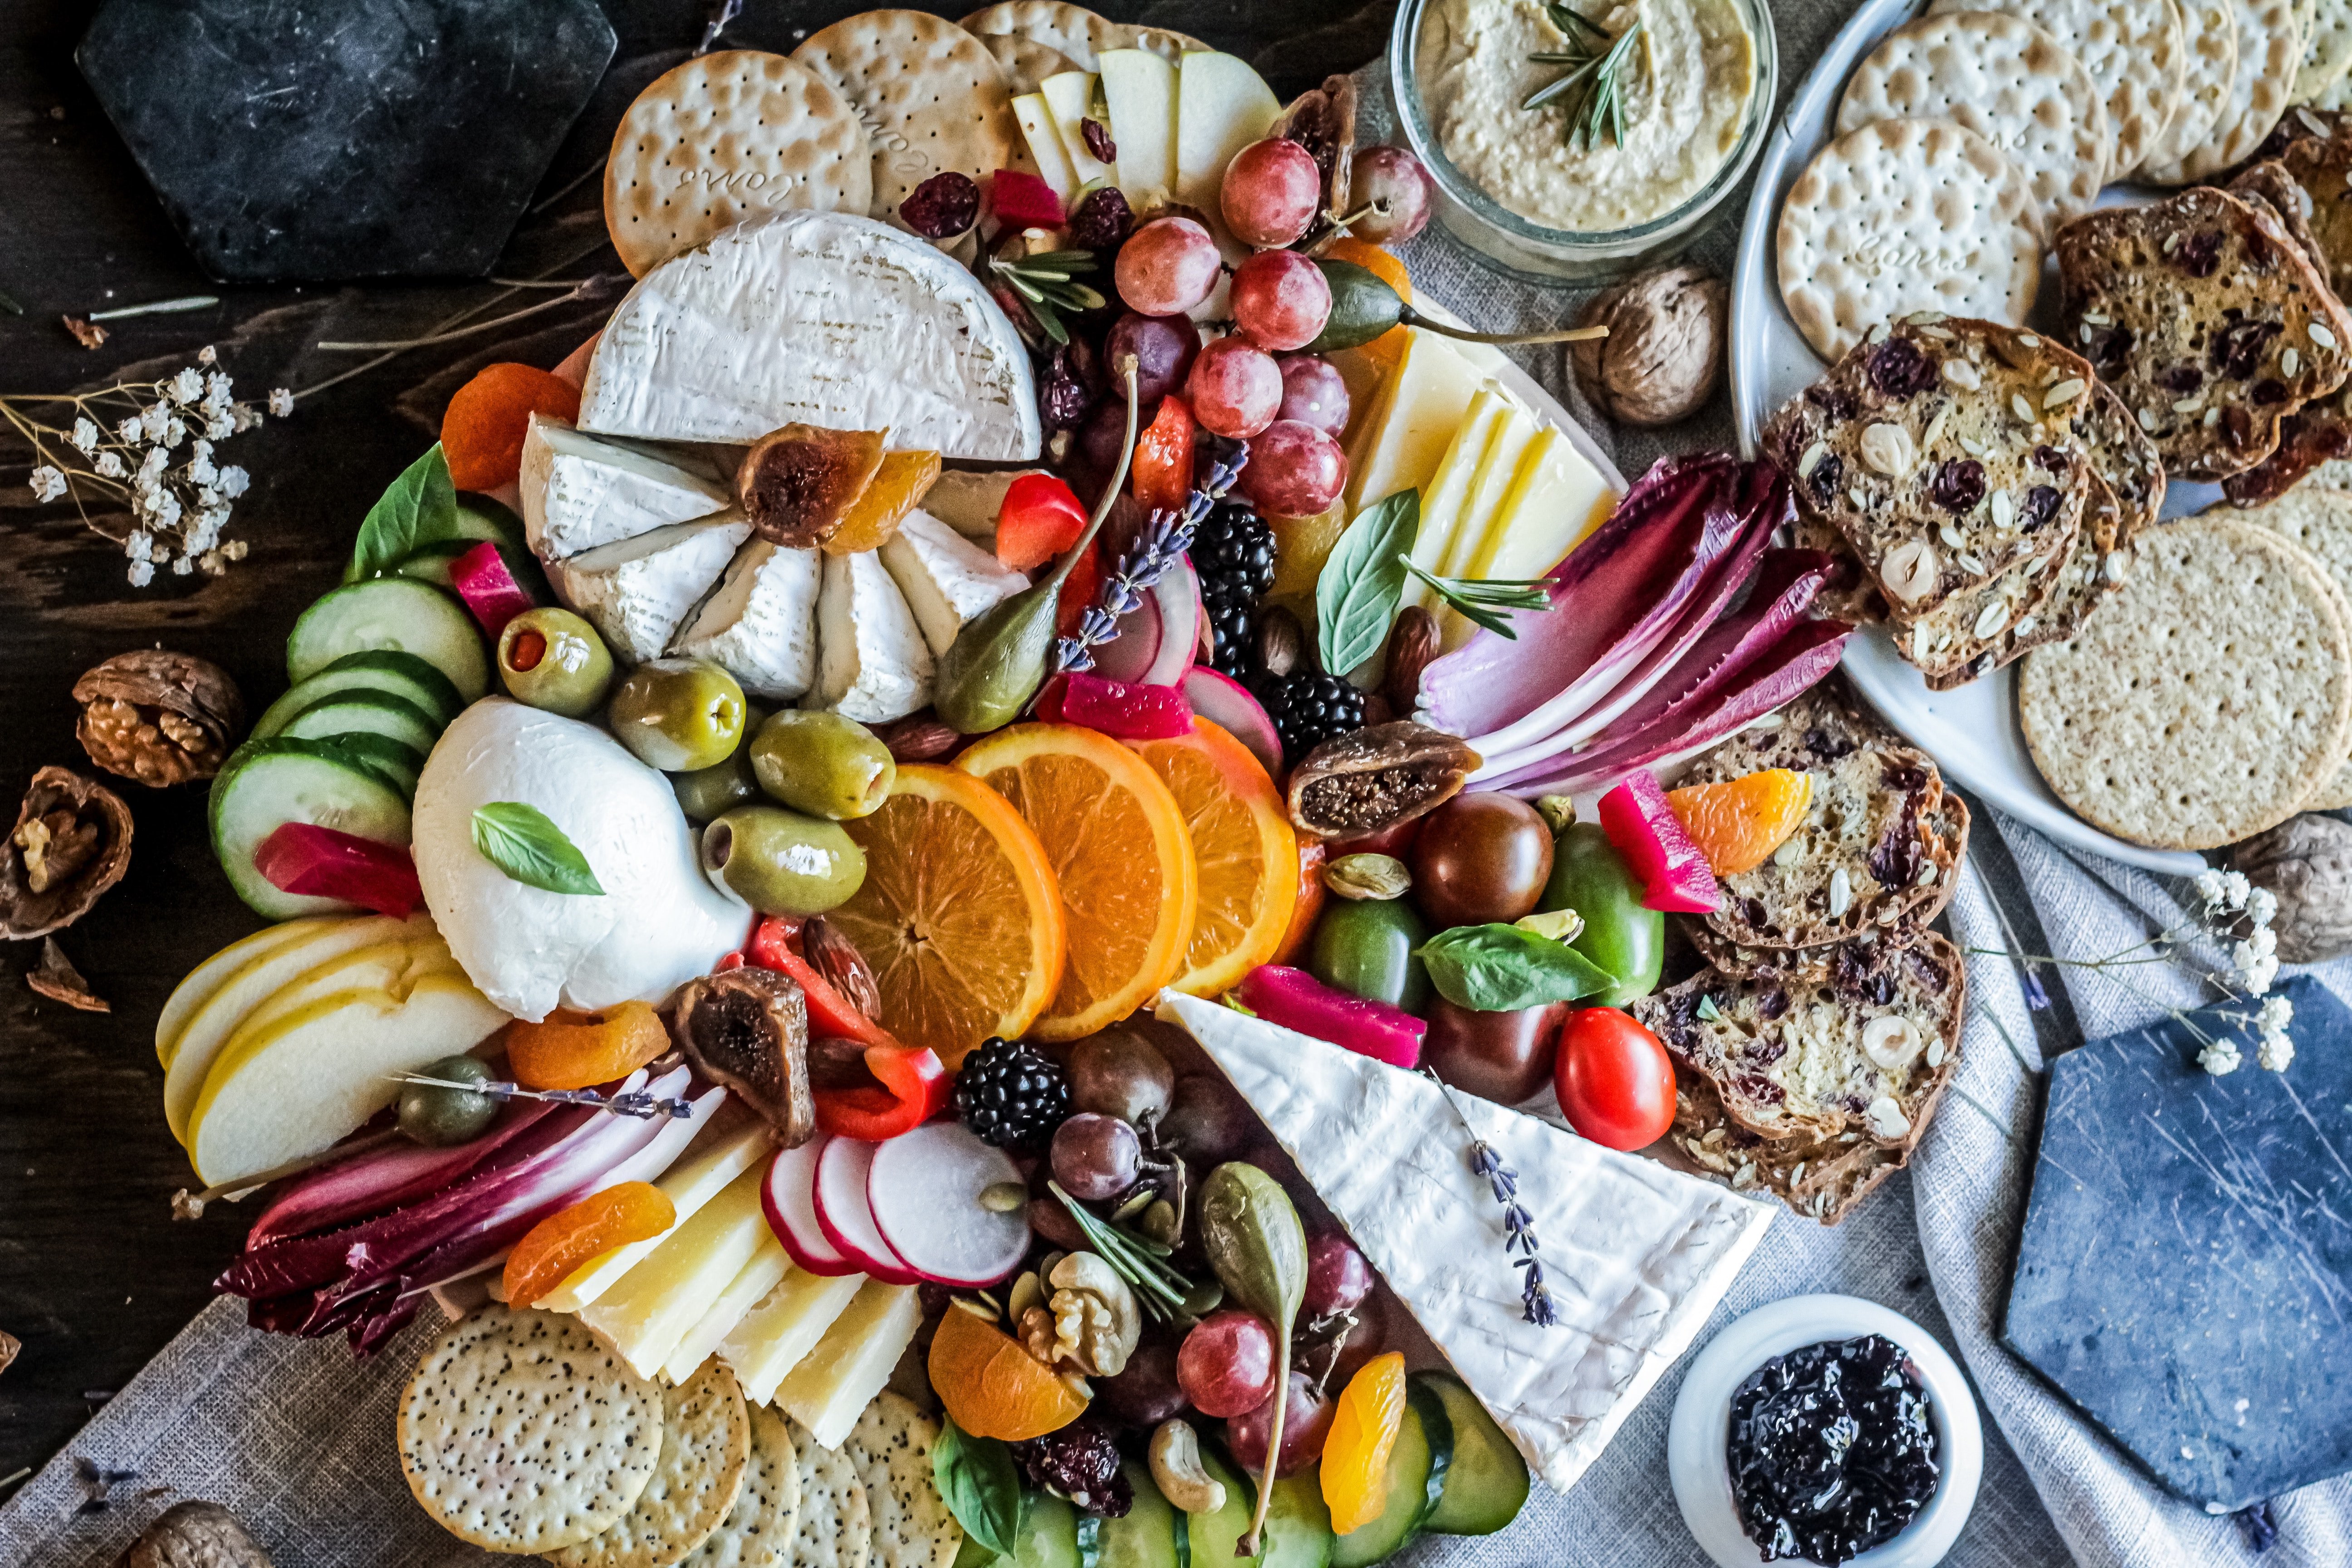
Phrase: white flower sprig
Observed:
(151, 445)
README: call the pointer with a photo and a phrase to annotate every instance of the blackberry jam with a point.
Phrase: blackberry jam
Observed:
(1832, 1450)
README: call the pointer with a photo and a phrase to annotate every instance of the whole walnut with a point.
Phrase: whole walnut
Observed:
(1664, 354)
(159, 717)
(2306, 861)
(196, 1535)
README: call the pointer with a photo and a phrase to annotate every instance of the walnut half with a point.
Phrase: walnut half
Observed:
(2306, 861)
(71, 842)
(160, 717)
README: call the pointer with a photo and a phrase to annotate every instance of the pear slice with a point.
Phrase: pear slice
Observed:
(198, 986)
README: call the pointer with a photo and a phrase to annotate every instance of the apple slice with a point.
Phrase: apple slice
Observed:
(1222, 106)
(846, 1218)
(923, 1189)
(790, 1199)
(1071, 96)
(204, 982)
(1053, 159)
(1140, 88)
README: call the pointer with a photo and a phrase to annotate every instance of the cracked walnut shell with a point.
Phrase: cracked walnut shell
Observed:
(159, 717)
(71, 842)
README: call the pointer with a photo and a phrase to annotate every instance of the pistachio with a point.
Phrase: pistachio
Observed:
(1366, 875)
(1909, 570)
(1177, 1470)
(1558, 812)
(1559, 925)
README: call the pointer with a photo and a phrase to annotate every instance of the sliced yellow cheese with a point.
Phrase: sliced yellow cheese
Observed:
(775, 1335)
(1036, 120)
(1429, 395)
(690, 1183)
(751, 1283)
(655, 1304)
(848, 1367)
(1490, 488)
(1556, 498)
(1443, 503)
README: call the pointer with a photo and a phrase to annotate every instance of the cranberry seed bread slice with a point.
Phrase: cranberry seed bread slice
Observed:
(1822, 1179)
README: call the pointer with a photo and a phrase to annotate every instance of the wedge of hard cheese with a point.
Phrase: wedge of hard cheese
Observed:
(849, 1366)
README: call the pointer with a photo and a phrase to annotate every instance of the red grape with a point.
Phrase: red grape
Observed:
(1281, 300)
(1392, 181)
(1226, 1364)
(1295, 469)
(1145, 1392)
(1271, 191)
(1208, 1120)
(1235, 388)
(1336, 1275)
(1305, 1425)
(1167, 267)
(1314, 393)
(1094, 1157)
(1164, 348)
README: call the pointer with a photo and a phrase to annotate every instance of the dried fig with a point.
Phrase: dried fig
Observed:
(71, 842)
(797, 484)
(748, 1028)
(2306, 861)
(1377, 778)
(160, 717)
(1323, 120)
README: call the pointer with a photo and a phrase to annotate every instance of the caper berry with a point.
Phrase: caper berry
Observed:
(438, 1116)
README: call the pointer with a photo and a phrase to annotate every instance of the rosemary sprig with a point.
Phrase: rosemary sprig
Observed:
(1481, 601)
(638, 1103)
(1163, 537)
(1138, 1259)
(1518, 1225)
(1048, 282)
(1593, 83)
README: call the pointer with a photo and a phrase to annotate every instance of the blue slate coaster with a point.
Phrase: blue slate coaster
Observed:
(342, 138)
(2186, 1272)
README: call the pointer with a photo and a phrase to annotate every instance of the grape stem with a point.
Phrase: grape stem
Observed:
(1412, 317)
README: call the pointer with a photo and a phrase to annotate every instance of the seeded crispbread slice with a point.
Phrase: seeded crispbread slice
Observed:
(1027, 63)
(2209, 35)
(1904, 215)
(933, 99)
(1960, 640)
(2005, 79)
(705, 1450)
(518, 1432)
(759, 1532)
(2320, 520)
(1855, 600)
(891, 1447)
(1820, 1178)
(2269, 46)
(2092, 569)
(726, 137)
(2131, 50)
(835, 1529)
(2209, 702)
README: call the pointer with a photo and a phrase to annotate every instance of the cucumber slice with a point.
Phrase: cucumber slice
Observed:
(389, 760)
(1146, 1537)
(479, 518)
(1209, 1537)
(430, 563)
(1417, 1465)
(1487, 1484)
(1298, 1524)
(384, 670)
(266, 784)
(1048, 1537)
(391, 613)
(364, 713)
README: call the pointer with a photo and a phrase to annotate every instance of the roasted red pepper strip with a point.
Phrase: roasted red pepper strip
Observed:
(1163, 457)
(830, 1015)
(915, 1087)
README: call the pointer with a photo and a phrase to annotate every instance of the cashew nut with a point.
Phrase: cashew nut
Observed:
(1096, 1321)
(1177, 1470)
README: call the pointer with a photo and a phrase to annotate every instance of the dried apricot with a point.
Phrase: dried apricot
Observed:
(897, 486)
(1363, 1433)
(580, 1051)
(483, 427)
(796, 485)
(552, 1249)
(994, 1388)
(1737, 823)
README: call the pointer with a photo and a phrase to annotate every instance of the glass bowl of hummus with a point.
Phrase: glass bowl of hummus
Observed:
(1582, 139)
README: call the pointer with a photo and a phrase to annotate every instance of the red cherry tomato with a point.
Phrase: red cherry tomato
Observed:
(1614, 1079)
(1039, 518)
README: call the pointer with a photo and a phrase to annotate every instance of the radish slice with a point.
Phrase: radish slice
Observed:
(1227, 703)
(847, 1221)
(924, 1189)
(789, 1196)
(1178, 594)
(1135, 648)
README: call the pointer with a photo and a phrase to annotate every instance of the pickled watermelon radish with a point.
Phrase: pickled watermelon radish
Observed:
(1297, 1000)
(311, 861)
(928, 1191)
(788, 1197)
(847, 1220)
(1119, 709)
(1021, 200)
(1642, 827)
(1227, 703)
(488, 584)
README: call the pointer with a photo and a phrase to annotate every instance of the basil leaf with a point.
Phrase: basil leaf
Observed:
(519, 840)
(1356, 595)
(976, 1477)
(1502, 968)
(420, 506)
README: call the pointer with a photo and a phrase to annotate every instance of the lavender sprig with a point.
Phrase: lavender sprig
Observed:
(639, 1103)
(1518, 1225)
(1163, 537)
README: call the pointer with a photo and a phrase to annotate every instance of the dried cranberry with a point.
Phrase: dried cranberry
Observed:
(2268, 391)
(1753, 911)
(2239, 426)
(1828, 745)
(1898, 370)
(1903, 776)
(2041, 504)
(1959, 485)
(1063, 399)
(2258, 251)
(2109, 350)
(1102, 221)
(1929, 971)
(2050, 458)
(1825, 477)
(1854, 974)
(1097, 136)
(1762, 1090)
(2198, 254)
(1773, 1004)
(1834, 401)
(1895, 861)
(942, 206)
(2236, 351)
(2182, 378)
(1080, 1461)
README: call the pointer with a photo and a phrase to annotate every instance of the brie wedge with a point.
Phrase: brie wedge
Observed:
(637, 591)
(1636, 1256)
(819, 319)
(759, 626)
(578, 492)
(948, 580)
(874, 666)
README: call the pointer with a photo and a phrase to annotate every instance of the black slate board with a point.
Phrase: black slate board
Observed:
(343, 139)
(2186, 1272)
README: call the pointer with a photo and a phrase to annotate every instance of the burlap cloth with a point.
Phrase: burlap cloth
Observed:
(297, 1437)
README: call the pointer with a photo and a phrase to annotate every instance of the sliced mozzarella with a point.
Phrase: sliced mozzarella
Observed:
(759, 626)
(637, 591)
(874, 666)
(948, 580)
(820, 318)
(578, 492)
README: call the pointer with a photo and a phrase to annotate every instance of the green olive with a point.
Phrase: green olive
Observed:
(677, 714)
(551, 659)
(780, 862)
(722, 787)
(438, 1117)
(1366, 947)
(824, 764)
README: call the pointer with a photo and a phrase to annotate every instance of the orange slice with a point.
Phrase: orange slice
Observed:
(1389, 268)
(1310, 904)
(1244, 846)
(992, 1387)
(959, 915)
(1120, 854)
(1736, 823)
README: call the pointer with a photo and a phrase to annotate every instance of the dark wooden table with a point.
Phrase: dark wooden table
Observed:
(95, 1276)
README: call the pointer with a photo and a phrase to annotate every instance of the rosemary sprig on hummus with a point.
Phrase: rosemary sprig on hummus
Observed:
(1593, 82)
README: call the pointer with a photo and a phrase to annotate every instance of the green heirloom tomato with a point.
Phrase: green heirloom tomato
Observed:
(677, 714)
(1365, 947)
(1621, 936)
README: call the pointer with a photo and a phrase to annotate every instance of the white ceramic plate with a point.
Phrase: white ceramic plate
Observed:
(1972, 732)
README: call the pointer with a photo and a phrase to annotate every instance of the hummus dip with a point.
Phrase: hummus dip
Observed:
(1686, 99)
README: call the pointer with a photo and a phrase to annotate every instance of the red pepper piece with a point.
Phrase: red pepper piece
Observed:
(304, 859)
(915, 1087)
(1039, 518)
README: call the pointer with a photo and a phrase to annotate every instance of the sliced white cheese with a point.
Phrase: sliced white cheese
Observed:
(1419, 411)
(1490, 487)
(948, 581)
(668, 1291)
(849, 1366)
(776, 1335)
(1636, 1256)
(1140, 88)
(1035, 118)
(1448, 491)
(820, 318)
(873, 665)
(578, 492)
(1222, 106)
(707, 1168)
(1556, 498)
(770, 1263)
(759, 624)
(637, 591)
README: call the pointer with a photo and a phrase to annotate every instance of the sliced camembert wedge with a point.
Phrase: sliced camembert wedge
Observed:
(578, 492)
(637, 591)
(818, 318)
(948, 581)
(759, 626)
(873, 665)
(1636, 1256)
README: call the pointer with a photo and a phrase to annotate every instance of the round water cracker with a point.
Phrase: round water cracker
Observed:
(1071, 30)
(2207, 703)
(1026, 62)
(1904, 215)
(2209, 36)
(2131, 50)
(723, 137)
(758, 1534)
(931, 95)
(891, 1447)
(705, 1449)
(2326, 51)
(2003, 78)
(2320, 520)
(2270, 46)
(837, 1524)
(518, 1432)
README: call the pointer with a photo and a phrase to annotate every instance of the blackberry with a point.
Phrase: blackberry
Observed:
(1233, 551)
(1233, 623)
(1307, 709)
(1080, 1462)
(1011, 1095)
